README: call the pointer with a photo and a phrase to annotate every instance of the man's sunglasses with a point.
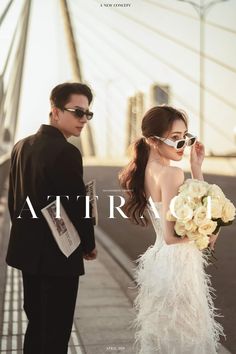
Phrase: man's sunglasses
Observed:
(179, 144)
(79, 113)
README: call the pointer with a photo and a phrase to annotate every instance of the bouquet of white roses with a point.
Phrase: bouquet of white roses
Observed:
(199, 210)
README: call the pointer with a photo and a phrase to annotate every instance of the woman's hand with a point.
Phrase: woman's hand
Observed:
(197, 154)
(213, 239)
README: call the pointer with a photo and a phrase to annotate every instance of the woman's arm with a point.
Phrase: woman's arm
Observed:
(196, 159)
(196, 173)
(171, 178)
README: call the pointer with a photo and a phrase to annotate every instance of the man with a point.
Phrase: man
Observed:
(42, 165)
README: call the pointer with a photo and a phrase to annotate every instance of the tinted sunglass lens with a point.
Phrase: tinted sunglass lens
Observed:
(180, 144)
(89, 115)
(191, 141)
(79, 113)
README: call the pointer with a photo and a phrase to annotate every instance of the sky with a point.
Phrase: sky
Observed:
(126, 50)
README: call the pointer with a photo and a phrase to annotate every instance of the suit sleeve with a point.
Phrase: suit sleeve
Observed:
(11, 189)
(68, 179)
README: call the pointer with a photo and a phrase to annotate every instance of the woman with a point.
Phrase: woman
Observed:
(175, 311)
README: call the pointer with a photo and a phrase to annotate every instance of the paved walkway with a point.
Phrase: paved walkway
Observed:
(104, 309)
(102, 316)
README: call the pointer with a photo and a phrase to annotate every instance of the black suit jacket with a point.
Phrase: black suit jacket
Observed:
(46, 164)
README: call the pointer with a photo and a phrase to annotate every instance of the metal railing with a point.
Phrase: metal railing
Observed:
(4, 170)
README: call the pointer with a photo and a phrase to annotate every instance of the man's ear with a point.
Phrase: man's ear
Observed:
(55, 114)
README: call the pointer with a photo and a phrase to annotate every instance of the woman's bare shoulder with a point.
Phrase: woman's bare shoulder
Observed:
(170, 173)
(165, 171)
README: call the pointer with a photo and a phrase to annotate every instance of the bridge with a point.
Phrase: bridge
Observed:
(133, 56)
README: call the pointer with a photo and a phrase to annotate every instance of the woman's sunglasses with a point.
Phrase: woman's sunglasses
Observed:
(79, 113)
(179, 144)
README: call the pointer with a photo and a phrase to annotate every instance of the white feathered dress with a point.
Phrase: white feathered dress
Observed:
(175, 310)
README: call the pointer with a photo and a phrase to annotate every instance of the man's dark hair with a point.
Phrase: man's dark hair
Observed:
(60, 94)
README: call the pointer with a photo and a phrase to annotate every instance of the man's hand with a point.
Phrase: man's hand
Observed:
(91, 255)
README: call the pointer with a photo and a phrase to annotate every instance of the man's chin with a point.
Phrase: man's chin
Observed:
(77, 134)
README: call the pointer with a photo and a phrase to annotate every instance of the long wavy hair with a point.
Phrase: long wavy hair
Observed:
(157, 121)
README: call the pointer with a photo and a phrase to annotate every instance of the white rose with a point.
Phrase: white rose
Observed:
(202, 242)
(216, 205)
(180, 228)
(216, 208)
(194, 203)
(183, 189)
(184, 213)
(190, 226)
(215, 191)
(197, 189)
(207, 227)
(193, 234)
(191, 202)
(179, 201)
(228, 211)
(200, 215)
(188, 181)
(185, 199)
